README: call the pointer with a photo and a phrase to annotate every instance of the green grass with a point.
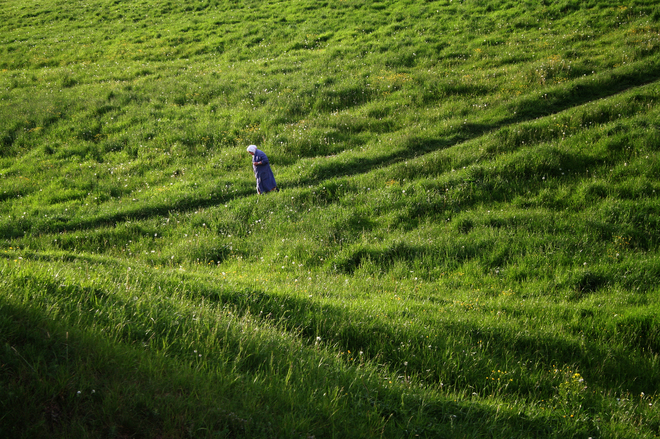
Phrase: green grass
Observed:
(465, 244)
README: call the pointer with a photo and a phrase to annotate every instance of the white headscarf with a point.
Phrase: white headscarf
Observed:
(252, 149)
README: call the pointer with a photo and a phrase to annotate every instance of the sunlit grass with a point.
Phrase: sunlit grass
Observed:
(465, 242)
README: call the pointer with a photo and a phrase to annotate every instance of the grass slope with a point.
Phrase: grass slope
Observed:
(465, 244)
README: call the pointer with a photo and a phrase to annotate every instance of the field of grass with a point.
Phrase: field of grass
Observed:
(466, 242)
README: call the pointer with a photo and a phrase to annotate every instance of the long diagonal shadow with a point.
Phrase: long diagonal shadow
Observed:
(394, 406)
(309, 320)
(185, 204)
(524, 109)
(312, 319)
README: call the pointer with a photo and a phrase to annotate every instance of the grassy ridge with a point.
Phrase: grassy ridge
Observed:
(465, 243)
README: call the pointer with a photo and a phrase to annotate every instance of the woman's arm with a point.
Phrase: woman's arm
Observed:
(260, 160)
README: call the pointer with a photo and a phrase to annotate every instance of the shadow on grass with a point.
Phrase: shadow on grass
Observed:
(140, 212)
(582, 91)
(528, 108)
(525, 109)
(64, 378)
(624, 371)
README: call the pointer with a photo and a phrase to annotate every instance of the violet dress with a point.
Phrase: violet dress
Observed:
(263, 173)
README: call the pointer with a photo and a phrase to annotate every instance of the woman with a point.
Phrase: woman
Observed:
(262, 171)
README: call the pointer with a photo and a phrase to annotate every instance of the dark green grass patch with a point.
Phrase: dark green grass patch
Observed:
(464, 242)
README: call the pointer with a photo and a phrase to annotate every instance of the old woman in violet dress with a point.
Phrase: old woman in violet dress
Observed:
(262, 171)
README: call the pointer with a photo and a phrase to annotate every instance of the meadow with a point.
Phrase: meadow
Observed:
(465, 244)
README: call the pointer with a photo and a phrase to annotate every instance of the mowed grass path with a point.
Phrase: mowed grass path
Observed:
(465, 242)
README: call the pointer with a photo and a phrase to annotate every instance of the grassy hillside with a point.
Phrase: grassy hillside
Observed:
(465, 244)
